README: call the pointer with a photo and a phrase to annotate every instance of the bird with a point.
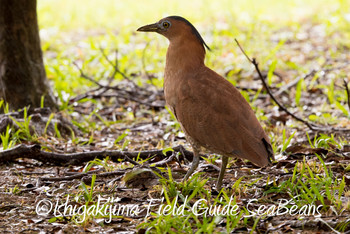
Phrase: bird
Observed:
(211, 111)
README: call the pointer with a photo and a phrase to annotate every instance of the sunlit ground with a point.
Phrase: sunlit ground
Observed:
(124, 15)
(75, 30)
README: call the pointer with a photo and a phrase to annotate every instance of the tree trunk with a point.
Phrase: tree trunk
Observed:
(22, 74)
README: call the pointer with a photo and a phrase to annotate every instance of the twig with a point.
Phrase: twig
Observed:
(82, 74)
(89, 172)
(117, 70)
(294, 82)
(128, 95)
(87, 94)
(115, 66)
(308, 75)
(240, 47)
(253, 61)
(131, 161)
(149, 77)
(347, 92)
(311, 126)
(327, 224)
(164, 162)
(210, 166)
(81, 175)
(117, 95)
(309, 223)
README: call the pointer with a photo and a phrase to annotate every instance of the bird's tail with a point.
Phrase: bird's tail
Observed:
(271, 156)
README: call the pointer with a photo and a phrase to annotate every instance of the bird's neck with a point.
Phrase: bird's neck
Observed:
(184, 56)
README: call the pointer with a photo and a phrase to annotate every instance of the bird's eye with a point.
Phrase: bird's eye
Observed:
(166, 24)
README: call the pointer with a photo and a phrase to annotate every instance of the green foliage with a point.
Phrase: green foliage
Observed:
(6, 140)
(298, 91)
(25, 130)
(272, 54)
(122, 138)
(324, 118)
(176, 212)
(104, 163)
(4, 105)
(271, 71)
(191, 187)
(88, 195)
(312, 183)
(324, 141)
(285, 141)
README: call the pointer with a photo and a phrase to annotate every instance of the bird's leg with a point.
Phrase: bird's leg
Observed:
(224, 160)
(194, 165)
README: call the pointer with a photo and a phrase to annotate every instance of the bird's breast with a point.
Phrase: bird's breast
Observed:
(171, 89)
(176, 86)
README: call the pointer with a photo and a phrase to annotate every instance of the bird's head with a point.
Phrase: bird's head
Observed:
(174, 27)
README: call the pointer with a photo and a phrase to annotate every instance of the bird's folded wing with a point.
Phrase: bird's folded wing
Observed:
(214, 113)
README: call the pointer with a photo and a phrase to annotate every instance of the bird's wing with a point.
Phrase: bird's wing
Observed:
(214, 113)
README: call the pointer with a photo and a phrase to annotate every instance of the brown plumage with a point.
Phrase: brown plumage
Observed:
(212, 112)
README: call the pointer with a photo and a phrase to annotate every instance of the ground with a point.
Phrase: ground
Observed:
(109, 85)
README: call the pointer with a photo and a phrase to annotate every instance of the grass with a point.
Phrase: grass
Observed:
(188, 206)
(313, 183)
(311, 190)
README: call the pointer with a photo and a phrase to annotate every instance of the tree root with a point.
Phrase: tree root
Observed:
(35, 152)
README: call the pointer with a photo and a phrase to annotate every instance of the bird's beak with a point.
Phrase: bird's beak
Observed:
(149, 28)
